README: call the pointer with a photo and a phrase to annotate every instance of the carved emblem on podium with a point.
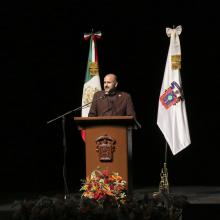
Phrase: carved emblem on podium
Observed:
(105, 146)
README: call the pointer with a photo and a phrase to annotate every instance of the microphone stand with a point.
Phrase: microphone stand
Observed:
(64, 158)
(64, 140)
(74, 110)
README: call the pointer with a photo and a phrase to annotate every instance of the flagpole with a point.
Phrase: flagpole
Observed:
(66, 191)
(164, 183)
(165, 158)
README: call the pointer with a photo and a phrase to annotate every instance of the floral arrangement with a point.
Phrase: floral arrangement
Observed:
(102, 185)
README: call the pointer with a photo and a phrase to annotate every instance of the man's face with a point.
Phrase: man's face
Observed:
(109, 83)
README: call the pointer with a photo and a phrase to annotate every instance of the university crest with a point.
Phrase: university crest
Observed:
(172, 95)
(105, 146)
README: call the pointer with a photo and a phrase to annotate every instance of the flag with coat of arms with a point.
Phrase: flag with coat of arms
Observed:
(92, 80)
(172, 117)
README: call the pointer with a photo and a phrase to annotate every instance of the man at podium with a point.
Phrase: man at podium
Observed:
(110, 101)
(109, 137)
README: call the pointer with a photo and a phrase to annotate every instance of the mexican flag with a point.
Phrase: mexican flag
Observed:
(172, 117)
(92, 80)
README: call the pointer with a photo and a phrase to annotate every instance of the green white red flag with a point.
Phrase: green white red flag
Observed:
(92, 80)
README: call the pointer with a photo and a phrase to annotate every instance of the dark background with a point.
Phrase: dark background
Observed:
(43, 60)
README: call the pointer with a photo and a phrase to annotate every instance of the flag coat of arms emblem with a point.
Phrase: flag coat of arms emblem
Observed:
(172, 117)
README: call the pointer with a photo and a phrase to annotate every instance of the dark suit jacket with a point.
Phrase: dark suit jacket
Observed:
(116, 104)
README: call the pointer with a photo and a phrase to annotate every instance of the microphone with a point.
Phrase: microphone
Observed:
(106, 94)
(110, 92)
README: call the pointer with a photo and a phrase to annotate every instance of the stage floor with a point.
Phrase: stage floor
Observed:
(194, 194)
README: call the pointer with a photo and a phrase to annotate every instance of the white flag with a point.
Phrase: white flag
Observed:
(172, 117)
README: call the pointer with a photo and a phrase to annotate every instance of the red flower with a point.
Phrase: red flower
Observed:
(106, 181)
(111, 187)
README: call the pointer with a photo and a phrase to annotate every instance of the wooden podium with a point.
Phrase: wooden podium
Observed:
(109, 144)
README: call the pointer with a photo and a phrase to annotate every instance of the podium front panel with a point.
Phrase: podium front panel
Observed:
(119, 161)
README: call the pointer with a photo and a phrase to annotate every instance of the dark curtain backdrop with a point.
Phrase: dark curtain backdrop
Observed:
(43, 60)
